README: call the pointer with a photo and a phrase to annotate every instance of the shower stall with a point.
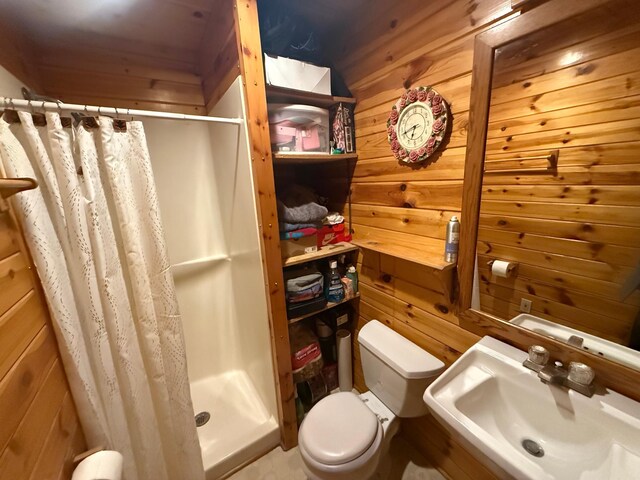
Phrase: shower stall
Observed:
(205, 188)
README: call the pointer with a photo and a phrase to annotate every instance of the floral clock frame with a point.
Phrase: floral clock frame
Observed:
(428, 114)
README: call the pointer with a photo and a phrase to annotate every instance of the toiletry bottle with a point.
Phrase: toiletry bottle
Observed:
(453, 238)
(353, 275)
(333, 285)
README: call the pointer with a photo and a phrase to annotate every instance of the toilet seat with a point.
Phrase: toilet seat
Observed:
(338, 429)
(340, 437)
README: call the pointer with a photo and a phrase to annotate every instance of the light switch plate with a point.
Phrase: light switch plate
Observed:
(525, 305)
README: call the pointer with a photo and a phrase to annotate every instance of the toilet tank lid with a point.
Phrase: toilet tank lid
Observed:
(404, 356)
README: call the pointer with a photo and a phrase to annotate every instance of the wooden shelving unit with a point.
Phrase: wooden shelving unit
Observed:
(324, 252)
(288, 95)
(311, 158)
(329, 306)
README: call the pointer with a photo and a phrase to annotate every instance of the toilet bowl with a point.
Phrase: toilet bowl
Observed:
(345, 436)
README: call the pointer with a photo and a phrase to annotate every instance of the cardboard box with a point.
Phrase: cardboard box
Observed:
(298, 246)
(343, 135)
(289, 73)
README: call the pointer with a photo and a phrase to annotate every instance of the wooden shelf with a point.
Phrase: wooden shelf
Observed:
(281, 158)
(329, 306)
(422, 250)
(288, 95)
(324, 252)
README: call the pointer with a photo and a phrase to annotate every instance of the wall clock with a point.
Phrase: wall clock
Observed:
(417, 124)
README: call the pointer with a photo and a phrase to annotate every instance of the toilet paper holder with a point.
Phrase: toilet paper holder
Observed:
(511, 269)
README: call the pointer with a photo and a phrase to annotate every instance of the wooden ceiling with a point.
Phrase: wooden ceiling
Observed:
(169, 31)
(154, 54)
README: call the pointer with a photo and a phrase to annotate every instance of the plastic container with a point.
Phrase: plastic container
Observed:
(299, 128)
(334, 291)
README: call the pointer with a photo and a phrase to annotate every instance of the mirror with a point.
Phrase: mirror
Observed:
(556, 166)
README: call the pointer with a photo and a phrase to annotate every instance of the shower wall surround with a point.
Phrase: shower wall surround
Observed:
(203, 174)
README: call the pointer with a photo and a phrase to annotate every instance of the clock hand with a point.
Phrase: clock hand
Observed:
(412, 128)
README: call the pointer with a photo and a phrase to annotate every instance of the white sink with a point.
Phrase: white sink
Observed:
(493, 404)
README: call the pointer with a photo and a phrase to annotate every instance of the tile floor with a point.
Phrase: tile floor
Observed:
(406, 464)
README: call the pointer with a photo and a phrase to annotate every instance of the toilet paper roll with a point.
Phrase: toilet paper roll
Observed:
(501, 269)
(345, 377)
(104, 465)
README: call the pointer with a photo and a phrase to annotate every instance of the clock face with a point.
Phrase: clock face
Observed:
(415, 126)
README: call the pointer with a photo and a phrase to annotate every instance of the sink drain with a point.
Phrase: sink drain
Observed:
(202, 418)
(532, 448)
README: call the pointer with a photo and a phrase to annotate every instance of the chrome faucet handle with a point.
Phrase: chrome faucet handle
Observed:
(580, 378)
(575, 341)
(581, 373)
(538, 358)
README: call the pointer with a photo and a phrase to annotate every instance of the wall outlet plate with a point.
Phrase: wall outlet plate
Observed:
(525, 305)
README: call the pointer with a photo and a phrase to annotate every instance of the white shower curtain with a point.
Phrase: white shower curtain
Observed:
(93, 228)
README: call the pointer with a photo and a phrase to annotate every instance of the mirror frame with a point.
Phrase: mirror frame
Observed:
(608, 373)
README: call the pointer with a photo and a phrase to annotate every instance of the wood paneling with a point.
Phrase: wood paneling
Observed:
(78, 74)
(218, 55)
(40, 432)
(393, 47)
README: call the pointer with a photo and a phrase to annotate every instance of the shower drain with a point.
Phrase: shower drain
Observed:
(202, 418)
(532, 448)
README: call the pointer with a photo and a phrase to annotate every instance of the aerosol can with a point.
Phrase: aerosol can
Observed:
(453, 238)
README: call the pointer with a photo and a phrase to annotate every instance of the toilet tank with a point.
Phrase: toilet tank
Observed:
(396, 370)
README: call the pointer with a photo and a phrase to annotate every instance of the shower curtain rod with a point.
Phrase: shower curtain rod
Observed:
(15, 103)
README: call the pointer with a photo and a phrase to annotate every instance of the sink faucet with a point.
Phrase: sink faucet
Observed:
(553, 374)
(578, 377)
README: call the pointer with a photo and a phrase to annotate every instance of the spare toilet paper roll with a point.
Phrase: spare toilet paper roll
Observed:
(345, 378)
(501, 269)
(104, 465)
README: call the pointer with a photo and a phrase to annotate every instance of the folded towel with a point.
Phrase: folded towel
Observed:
(307, 213)
(300, 205)
(290, 227)
(304, 232)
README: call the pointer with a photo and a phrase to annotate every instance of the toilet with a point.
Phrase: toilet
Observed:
(345, 435)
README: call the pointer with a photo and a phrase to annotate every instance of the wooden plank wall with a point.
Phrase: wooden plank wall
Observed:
(574, 232)
(122, 74)
(395, 45)
(218, 56)
(39, 429)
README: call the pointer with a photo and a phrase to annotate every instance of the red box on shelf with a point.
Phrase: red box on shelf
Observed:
(329, 234)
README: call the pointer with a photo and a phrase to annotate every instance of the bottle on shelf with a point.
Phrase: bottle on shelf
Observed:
(353, 275)
(334, 291)
(452, 241)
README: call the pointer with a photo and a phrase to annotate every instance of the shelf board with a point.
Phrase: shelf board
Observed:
(288, 95)
(324, 252)
(413, 248)
(281, 158)
(329, 306)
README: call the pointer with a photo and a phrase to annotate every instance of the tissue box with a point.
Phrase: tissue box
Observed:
(288, 73)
